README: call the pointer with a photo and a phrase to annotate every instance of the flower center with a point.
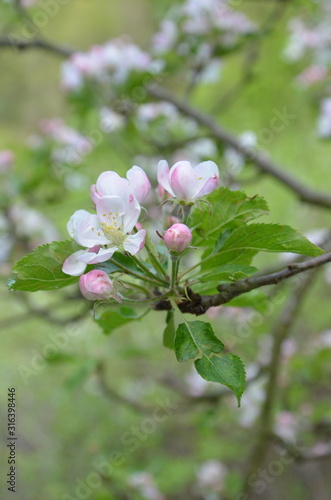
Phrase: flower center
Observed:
(113, 233)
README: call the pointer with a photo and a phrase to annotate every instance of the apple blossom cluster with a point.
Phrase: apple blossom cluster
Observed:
(108, 64)
(67, 145)
(201, 29)
(149, 112)
(214, 20)
(312, 40)
(313, 37)
(115, 226)
(117, 204)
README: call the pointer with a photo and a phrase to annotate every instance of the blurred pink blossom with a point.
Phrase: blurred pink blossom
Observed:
(211, 475)
(6, 161)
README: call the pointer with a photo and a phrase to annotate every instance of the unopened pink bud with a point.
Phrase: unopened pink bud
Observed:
(177, 238)
(96, 285)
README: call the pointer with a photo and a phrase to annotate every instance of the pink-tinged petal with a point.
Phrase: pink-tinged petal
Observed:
(206, 170)
(163, 176)
(135, 242)
(110, 210)
(131, 215)
(139, 184)
(95, 195)
(94, 249)
(85, 229)
(183, 180)
(73, 265)
(95, 258)
(208, 174)
(111, 184)
(209, 186)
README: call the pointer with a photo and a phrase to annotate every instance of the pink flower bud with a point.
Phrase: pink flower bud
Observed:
(177, 238)
(96, 285)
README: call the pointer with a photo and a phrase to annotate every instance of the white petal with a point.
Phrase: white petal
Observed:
(163, 176)
(131, 215)
(207, 169)
(139, 184)
(111, 184)
(73, 265)
(95, 258)
(94, 194)
(135, 242)
(85, 229)
(183, 180)
(208, 175)
(110, 210)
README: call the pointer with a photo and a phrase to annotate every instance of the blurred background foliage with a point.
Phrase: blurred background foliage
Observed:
(67, 419)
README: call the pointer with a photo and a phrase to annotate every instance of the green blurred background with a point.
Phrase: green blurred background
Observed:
(65, 421)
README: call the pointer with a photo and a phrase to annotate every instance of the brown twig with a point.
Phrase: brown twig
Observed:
(36, 43)
(200, 304)
(115, 396)
(296, 454)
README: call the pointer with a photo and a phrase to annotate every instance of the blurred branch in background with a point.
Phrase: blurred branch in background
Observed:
(115, 396)
(203, 440)
(281, 330)
(12, 42)
(260, 159)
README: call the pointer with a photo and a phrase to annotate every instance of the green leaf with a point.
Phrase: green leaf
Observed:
(110, 320)
(228, 210)
(248, 240)
(228, 370)
(42, 269)
(230, 272)
(257, 299)
(170, 331)
(195, 338)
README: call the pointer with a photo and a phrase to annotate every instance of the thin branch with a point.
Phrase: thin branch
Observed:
(295, 453)
(260, 159)
(200, 304)
(248, 284)
(36, 43)
(115, 396)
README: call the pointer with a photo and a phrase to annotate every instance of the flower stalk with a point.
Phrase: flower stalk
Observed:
(175, 259)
